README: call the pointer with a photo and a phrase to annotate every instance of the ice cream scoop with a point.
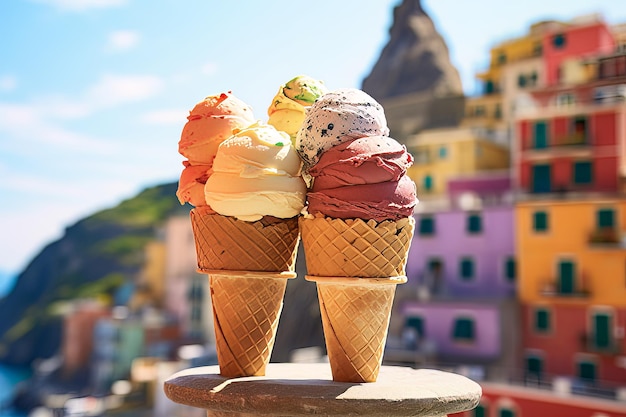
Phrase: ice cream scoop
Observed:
(366, 160)
(191, 184)
(364, 178)
(256, 173)
(288, 108)
(210, 123)
(336, 117)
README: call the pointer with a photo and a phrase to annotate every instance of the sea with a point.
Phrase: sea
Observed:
(9, 376)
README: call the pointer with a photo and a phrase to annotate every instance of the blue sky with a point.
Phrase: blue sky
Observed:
(94, 93)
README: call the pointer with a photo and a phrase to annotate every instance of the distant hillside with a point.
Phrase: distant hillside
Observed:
(95, 256)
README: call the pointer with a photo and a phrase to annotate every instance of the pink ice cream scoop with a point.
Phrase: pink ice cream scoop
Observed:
(363, 178)
(366, 160)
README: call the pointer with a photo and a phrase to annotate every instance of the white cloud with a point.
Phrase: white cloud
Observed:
(112, 90)
(8, 83)
(82, 5)
(122, 40)
(28, 123)
(165, 117)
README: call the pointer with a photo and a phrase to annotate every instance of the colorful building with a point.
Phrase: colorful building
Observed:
(559, 95)
(444, 154)
(462, 272)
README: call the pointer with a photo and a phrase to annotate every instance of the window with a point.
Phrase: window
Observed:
(480, 411)
(587, 370)
(542, 320)
(498, 111)
(601, 330)
(521, 81)
(540, 221)
(541, 178)
(583, 172)
(540, 130)
(580, 127)
(510, 270)
(506, 412)
(565, 99)
(501, 58)
(567, 276)
(558, 41)
(466, 269)
(489, 87)
(443, 152)
(426, 226)
(416, 323)
(474, 223)
(428, 183)
(605, 218)
(534, 366)
(463, 329)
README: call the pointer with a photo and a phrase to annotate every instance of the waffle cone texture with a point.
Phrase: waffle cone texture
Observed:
(226, 243)
(355, 247)
(246, 311)
(248, 265)
(356, 265)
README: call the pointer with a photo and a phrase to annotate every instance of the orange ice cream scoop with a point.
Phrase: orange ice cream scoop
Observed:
(211, 122)
(191, 184)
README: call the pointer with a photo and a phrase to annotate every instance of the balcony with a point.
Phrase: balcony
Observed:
(554, 288)
(606, 238)
(574, 139)
(613, 346)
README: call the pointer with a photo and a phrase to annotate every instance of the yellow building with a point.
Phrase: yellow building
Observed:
(442, 154)
(572, 251)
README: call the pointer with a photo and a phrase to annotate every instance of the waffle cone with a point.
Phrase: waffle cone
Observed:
(355, 317)
(355, 247)
(246, 310)
(226, 243)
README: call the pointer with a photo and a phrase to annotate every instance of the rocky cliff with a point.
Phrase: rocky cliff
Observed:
(413, 77)
(95, 257)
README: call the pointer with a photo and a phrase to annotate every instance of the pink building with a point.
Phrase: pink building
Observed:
(575, 41)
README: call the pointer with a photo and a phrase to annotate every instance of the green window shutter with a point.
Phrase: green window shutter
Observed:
(534, 365)
(428, 183)
(542, 320)
(583, 172)
(474, 223)
(587, 370)
(463, 329)
(541, 178)
(506, 412)
(467, 269)
(427, 226)
(540, 221)
(541, 135)
(605, 218)
(416, 323)
(510, 270)
(566, 277)
(480, 411)
(602, 331)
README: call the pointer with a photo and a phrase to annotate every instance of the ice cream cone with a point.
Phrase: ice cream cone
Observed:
(355, 317)
(226, 243)
(355, 247)
(356, 265)
(246, 311)
(248, 264)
